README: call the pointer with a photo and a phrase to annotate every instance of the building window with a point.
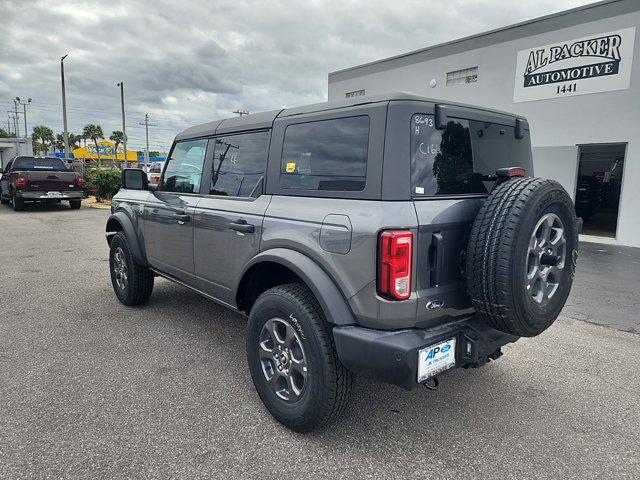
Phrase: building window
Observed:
(460, 77)
(355, 93)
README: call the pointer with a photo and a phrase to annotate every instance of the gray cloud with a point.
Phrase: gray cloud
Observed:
(194, 61)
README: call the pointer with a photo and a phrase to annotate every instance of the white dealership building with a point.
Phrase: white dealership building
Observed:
(574, 75)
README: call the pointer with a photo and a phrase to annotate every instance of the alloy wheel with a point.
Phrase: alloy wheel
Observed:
(120, 268)
(283, 360)
(545, 258)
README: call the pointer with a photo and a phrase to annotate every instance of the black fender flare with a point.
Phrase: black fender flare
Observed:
(333, 303)
(137, 249)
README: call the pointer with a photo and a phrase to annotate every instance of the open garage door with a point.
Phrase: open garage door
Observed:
(599, 182)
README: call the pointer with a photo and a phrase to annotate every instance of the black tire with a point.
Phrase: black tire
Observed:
(519, 284)
(18, 203)
(4, 201)
(138, 285)
(327, 388)
(75, 204)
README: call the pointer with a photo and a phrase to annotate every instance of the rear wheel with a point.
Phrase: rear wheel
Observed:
(522, 255)
(293, 360)
(75, 204)
(132, 283)
(4, 201)
(18, 203)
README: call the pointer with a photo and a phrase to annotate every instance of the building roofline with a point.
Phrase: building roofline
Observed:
(566, 18)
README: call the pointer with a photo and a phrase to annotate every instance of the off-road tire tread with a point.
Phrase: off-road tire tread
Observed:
(341, 380)
(140, 278)
(492, 240)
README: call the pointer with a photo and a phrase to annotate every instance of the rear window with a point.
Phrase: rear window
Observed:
(326, 155)
(45, 164)
(461, 158)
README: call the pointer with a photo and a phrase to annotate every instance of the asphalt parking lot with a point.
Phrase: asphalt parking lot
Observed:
(92, 389)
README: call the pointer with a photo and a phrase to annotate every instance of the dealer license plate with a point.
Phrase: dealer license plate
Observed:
(435, 359)
(54, 194)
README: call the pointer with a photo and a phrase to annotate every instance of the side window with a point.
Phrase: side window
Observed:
(184, 170)
(326, 155)
(442, 160)
(239, 162)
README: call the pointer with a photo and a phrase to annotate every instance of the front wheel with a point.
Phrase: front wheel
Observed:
(75, 204)
(293, 361)
(132, 283)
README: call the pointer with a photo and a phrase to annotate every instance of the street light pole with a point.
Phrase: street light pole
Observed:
(65, 133)
(124, 129)
(15, 106)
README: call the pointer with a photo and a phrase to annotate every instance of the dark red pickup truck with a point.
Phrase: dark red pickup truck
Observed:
(40, 179)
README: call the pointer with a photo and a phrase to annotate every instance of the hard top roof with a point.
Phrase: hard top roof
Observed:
(257, 121)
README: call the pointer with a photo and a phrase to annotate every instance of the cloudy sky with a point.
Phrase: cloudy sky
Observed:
(192, 61)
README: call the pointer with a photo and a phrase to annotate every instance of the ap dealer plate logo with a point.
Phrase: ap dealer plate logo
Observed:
(593, 64)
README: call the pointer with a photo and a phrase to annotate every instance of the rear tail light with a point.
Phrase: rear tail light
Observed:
(21, 183)
(78, 182)
(394, 268)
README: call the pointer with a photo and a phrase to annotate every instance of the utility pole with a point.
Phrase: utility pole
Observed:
(124, 129)
(24, 109)
(13, 117)
(241, 112)
(146, 131)
(65, 133)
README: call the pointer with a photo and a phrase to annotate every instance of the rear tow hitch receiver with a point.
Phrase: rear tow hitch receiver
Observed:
(431, 384)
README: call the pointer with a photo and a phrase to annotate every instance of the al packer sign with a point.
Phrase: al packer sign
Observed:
(598, 63)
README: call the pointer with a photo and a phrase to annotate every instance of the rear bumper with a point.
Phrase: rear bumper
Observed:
(392, 356)
(42, 195)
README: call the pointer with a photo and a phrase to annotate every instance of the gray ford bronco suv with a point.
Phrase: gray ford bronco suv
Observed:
(392, 237)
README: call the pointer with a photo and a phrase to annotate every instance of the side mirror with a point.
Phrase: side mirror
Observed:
(134, 179)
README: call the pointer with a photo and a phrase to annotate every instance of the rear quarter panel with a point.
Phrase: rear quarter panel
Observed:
(297, 223)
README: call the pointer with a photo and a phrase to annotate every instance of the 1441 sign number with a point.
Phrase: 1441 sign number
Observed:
(566, 88)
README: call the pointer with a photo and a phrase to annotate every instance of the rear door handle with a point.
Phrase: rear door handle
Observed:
(183, 218)
(242, 226)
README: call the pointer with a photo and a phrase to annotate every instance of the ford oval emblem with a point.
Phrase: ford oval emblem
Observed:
(435, 304)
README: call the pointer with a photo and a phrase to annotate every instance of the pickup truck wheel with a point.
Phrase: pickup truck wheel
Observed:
(293, 361)
(18, 203)
(75, 204)
(132, 283)
(522, 255)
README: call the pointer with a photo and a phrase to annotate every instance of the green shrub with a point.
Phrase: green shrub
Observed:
(104, 183)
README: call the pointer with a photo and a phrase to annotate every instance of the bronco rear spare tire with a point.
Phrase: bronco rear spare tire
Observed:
(522, 254)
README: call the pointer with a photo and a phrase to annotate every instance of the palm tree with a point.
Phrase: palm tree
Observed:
(74, 141)
(59, 143)
(43, 134)
(94, 132)
(117, 137)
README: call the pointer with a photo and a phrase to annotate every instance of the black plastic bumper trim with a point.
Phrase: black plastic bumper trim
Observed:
(392, 356)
